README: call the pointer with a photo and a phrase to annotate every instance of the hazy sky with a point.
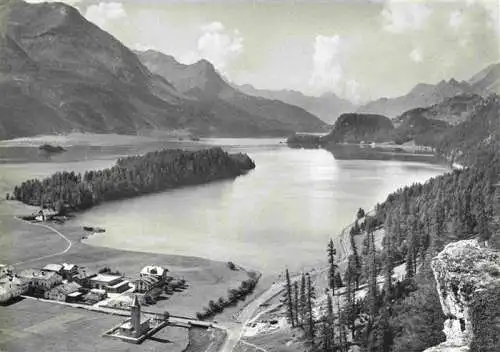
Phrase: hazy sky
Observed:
(358, 49)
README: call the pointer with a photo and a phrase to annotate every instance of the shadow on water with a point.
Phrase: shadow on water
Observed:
(356, 152)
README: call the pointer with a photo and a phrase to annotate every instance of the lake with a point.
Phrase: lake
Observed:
(280, 214)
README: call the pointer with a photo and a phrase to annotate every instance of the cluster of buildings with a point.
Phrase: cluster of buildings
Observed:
(11, 284)
(71, 283)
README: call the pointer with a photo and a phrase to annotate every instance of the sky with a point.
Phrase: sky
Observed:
(358, 49)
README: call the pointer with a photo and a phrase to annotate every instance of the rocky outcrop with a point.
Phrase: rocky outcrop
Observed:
(464, 270)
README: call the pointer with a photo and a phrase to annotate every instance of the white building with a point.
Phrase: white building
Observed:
(156, 271)
(12, 286)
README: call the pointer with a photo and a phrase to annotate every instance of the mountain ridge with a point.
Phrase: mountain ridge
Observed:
(60, 73)
(484, 83)
(202, 82)
(327, 107)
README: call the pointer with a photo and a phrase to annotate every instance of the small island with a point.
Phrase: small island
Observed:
(53, 149)
(130, 177)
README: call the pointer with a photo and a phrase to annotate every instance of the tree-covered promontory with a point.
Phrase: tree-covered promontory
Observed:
(132, 176)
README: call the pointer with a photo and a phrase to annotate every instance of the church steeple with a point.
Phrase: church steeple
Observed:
(135, 316)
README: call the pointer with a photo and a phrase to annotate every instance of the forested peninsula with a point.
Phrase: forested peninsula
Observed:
(130, 177)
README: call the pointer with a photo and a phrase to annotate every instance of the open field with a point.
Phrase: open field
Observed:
(30, 325)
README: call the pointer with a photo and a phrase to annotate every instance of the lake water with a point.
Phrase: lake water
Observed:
(280, 214)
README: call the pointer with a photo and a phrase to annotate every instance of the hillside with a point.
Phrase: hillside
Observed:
(420, 96)
(61, 73)
(327, 107)
(230, 107)
(453, 110)
(483, 84)
(488, 80)
(355, 128)
(466, 141)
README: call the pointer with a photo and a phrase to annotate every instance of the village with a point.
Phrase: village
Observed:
(104, 291)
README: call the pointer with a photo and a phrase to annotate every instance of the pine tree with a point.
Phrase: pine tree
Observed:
(332, 266)
(310, 331)
(483, 222)
(438, 228)
(388, 271)
(296, 302)
(289, 301)
(343, 347)
(327, 327)
(372, 278)
(302, 301)
(356, 269)
(351, 306)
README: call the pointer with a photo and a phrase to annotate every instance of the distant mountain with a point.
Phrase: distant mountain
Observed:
(61, 73)
(421, 95)
(327, 107)
(229, 106)
(452, 110)
(484, 83)
(488, 80)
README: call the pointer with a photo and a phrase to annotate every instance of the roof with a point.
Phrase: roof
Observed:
(53, 267)
(66, 288)
(75, 294)
(119, 284)
(68, 267)
(106, 278)
(83, 273)
(151, 280)
(98, 291)
(153, 270)
(38, 274)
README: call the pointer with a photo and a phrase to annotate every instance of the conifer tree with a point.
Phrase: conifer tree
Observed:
(483, 222)
(356, 268)
(372, 278)
(311, 333)
(342, 346)
(302, 301)
(289, 301)
(332, 266)
(296, 303)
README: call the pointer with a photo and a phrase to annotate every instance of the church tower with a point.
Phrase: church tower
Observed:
(135, 316)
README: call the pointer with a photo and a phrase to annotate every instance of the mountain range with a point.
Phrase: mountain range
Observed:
(422, 95)
(327, 107)
(61, 73)
(232, 108)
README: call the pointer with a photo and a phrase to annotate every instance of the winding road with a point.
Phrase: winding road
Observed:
(68, 247)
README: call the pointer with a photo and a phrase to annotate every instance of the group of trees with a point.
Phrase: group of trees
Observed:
(418, 221)
(132, 176)
(319, 330)
(234, 295)
(300, 303)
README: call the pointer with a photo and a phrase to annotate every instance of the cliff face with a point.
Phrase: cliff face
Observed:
(464, 271)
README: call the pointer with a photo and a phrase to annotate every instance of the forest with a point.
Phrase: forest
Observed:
(130, 177)
(418, 221)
